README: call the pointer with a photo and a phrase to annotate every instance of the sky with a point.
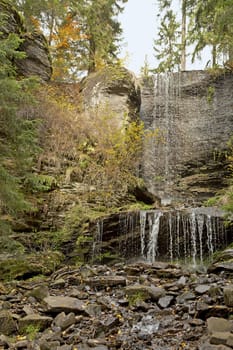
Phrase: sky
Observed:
(139, 23)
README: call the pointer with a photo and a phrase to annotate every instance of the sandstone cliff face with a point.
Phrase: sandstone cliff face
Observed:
(37, 61)
(193, 115)
(115, 88)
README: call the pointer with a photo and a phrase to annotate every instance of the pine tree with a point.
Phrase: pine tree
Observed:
(212, 25)
(167, 46)
(17, 134)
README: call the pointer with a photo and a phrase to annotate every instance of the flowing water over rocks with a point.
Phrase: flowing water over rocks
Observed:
(191, 235)
(137, 306)
(190, 116)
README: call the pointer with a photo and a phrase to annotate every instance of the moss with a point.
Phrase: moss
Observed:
(137, 297)
(31, 331)
(27, 266)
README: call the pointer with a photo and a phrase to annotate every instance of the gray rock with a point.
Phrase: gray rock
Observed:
(192, 172)
(37, 61)
(4, 341)
(28, 310)
(110, 322)
(115, 88)
(59, 283)
(34, 320)
(64, 321)
(228, 295)
(202, 288)
(57, 304)
(93, 310)
(181, 281)
(215, 291)
(181, 299)
(39, 293)
(22, 344)
(142, 292)
(208, 346)
(7, 323)
(165, 301)
(105, 281)
(147, 326)
(218, 324)
(52, 345)
(230, 340)
(219, 338)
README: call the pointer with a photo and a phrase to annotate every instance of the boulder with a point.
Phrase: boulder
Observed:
(105, 281)
(142, 292)
(218, 324)
(57, 304)
(228, 295)
(34, 320)
(114, 88)
(64, 321)
(7, 323)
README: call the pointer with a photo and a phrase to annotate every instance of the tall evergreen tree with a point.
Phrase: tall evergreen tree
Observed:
(102, 31)
(212, 25)
(17, 134)
(167, 47)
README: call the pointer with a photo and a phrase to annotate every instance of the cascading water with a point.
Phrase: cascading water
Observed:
(180, 235)
(98, 238)
(166, 93)
(170, 235)
(149, 246)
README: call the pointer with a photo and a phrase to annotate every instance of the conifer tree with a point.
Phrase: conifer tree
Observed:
(167, 46)
(212, 25)
(17, 134)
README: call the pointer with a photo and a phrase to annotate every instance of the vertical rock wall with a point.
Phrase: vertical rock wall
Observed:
(192, 116)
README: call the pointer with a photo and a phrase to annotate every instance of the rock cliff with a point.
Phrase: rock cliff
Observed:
(191, 113)
(37, 61)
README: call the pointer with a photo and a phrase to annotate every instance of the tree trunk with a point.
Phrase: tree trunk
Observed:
(214, 56)
(183, 37)
(92, 53)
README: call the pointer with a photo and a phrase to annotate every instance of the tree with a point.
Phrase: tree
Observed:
(82, 35)
(167, 47)
(212, 25)
(17, 133)
(183, 35)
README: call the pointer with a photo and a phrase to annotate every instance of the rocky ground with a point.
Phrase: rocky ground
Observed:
(135, 306)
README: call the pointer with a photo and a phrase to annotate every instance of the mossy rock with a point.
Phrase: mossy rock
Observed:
(7, 323)
(27, 266)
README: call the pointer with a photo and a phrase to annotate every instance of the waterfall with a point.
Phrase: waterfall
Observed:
(166, 95)
(174, 235)
(193, 228)
(143, 215)
(200, 225)
(153, 236)
(98, 238)
(170, 235)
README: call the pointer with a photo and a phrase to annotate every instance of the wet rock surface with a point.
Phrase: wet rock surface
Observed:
(128, 307)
